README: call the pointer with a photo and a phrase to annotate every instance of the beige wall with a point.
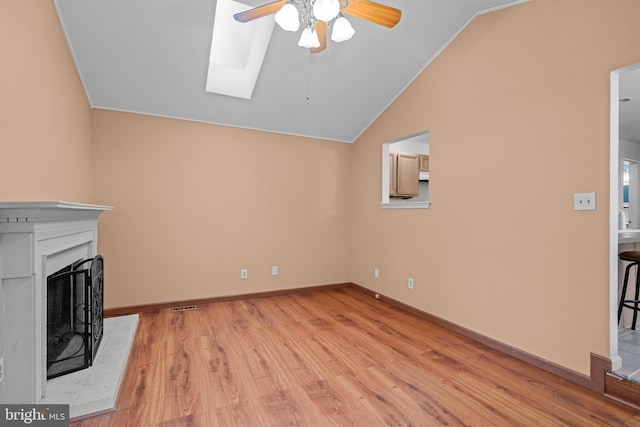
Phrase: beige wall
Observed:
(195, 203)
(45, 120)
(518, 109)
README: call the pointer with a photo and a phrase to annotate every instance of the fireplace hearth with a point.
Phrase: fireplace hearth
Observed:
(74, 316)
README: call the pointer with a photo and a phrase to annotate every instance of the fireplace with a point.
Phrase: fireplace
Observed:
(74, 316)
(38, 240)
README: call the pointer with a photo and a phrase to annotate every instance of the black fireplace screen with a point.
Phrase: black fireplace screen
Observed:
(74, 316)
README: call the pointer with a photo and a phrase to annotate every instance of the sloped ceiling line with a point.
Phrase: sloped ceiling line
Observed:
(152, 57)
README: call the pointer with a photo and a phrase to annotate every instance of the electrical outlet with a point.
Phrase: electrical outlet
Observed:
(584, 201)
(410, 283)
(244, 273)
(274, 270)
(376, 273)
(1, 369)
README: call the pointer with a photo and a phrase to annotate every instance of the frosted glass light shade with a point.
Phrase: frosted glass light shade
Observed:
(326, 10)
(309, 38)
(287, 18)
(342, 30)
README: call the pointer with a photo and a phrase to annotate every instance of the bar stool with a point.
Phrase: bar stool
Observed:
(633, 257)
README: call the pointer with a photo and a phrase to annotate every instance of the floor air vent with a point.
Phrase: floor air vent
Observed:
(184, 308)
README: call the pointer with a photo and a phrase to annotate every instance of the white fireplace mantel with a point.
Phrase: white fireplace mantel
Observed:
(47, 211)
(36, 240)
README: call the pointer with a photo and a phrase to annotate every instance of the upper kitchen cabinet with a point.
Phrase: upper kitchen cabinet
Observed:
(404, 175)
(424, 163)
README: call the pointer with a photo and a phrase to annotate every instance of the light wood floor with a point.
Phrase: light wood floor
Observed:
(334, 358)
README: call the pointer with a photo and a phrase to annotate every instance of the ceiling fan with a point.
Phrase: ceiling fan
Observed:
(315, 17)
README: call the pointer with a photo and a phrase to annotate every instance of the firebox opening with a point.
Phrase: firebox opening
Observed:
(74, 316)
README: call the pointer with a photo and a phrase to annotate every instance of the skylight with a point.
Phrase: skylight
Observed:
(237, 51)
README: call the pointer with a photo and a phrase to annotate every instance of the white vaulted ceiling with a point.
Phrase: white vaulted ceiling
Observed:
(152, 57)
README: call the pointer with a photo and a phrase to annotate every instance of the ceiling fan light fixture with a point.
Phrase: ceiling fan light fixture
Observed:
(287, 17)
(342, 30)
(316, 16)
(309, 38)
(326, 10)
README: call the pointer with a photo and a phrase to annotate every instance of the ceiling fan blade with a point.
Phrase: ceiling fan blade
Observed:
(321, 29)
(260, 11)
(377, 13)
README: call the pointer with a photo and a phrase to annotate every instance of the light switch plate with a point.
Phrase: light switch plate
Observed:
(584, 201)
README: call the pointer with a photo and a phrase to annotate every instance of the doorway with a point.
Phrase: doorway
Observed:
(624, 142)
